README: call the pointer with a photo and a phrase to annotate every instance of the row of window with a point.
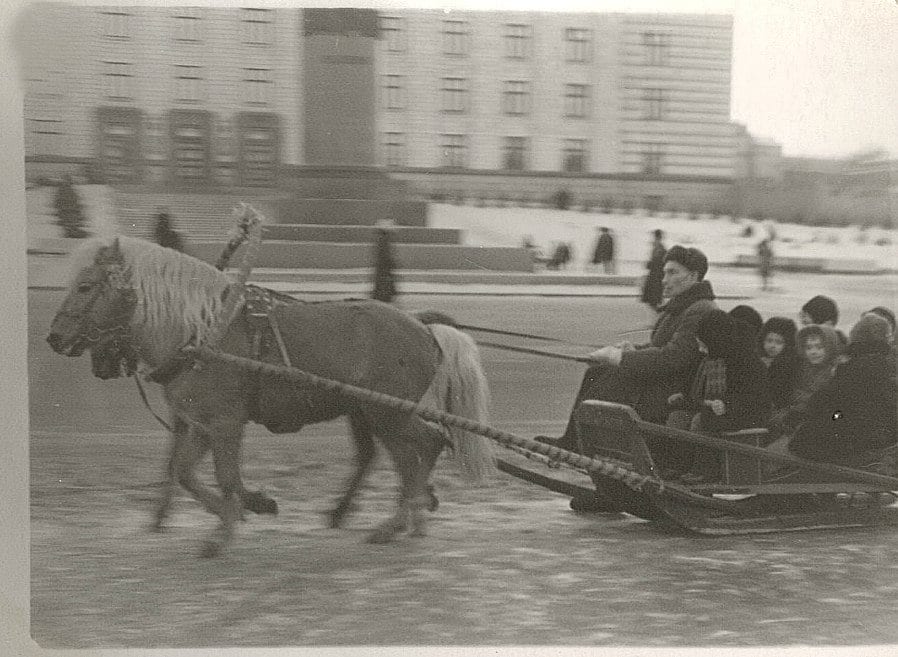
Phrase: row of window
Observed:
(516, 97)
(453, 150)
(188, 82)
(517, 40)
(256, 25)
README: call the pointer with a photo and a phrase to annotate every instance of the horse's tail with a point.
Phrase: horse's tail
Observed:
(460, 388)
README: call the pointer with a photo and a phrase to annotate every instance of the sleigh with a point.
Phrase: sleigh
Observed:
(615, 470)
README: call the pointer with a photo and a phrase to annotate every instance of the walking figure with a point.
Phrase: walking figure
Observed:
(765, 262)
(651, 287)
(604, 250)
(384, 264)
(164, 234)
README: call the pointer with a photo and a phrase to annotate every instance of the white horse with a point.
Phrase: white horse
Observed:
(133, 302)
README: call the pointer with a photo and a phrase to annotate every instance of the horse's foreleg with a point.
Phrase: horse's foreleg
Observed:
(186, 449)
(365, 451)
(226, 443)
(429, 441)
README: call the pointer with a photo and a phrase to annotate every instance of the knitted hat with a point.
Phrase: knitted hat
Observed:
(782, 326)
(870, 328)
(747, 315)
(691, 258)
(822, 309)
(716, 329)
(885, 313)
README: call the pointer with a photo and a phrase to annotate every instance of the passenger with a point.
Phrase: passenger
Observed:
(728, 392)
(855, 414)
(819, 349)
(778, 354)
(748, 316)
(887, 315)
(824, 311)
(645, 376)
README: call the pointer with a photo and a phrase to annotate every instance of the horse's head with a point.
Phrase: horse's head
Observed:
(97, 311)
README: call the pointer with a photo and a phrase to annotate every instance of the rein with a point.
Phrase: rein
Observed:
(143, 396)
(483, 329)
(536, 352)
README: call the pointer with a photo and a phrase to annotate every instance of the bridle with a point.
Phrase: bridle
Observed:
(119, 331)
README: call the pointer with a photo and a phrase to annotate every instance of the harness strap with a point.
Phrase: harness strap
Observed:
(143, 396)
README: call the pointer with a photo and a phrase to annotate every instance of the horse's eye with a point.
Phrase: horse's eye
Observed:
(85, 287)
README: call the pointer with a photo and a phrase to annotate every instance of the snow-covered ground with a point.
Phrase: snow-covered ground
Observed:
(720, 239)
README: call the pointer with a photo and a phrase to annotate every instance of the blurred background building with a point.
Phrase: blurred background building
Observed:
(616, 111)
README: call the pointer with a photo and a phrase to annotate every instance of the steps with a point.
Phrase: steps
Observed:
(359, 234)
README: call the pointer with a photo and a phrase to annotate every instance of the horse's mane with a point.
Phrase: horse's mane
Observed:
(178, 296)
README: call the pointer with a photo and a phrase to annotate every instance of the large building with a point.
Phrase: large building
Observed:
(502, 102)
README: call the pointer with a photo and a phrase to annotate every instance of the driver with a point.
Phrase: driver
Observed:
(644, 376)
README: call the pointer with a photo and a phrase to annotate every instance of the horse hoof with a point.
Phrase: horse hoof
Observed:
(210, 550)
(381, 536)
(259, 503)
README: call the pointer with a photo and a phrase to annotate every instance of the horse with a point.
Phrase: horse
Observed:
(133, 303)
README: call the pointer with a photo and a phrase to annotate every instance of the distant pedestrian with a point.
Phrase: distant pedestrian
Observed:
(604, 250)
(765, 262)
(651, 287)
(384, 264)
(164, 233)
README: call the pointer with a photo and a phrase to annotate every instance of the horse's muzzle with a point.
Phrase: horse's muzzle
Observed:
(65, 347)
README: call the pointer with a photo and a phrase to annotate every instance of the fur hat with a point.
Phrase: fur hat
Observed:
(691, 258)
(717, 329)
(885, 313)
(782, 326)
(747, 315)
(870, 328)
(822, 309)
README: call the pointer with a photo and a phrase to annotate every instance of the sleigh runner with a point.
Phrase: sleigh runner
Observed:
(800, 495)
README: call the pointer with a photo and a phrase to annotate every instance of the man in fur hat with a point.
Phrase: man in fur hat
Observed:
(644, 376)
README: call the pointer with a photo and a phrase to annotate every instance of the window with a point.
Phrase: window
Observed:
(516, 97)
(454, 94)
(257, 84)
(187, 24)
(392, 29)
(258, 26)
(574, 155)
(514, 153)
(189, 83)
(47, 135)
(155, 139)
(119, 80)
(454, 150)
(576, 100)
(577, 44)
(394, 149)
(455, 37)
(656, 44)
(224, 140)
(652, 159)
(654, 101)
(394, 92)
(117, 23)
(517, 41)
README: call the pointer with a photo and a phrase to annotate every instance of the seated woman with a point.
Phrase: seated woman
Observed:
(855, 414)
(819, 348)
(729, 391)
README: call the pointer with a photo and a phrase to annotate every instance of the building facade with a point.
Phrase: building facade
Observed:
(220, 95)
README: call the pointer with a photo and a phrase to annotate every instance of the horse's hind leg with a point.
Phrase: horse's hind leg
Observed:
(414, 450)
(364, 456)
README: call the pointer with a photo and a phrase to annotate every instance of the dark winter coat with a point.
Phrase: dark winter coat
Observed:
(662, 367)
(165, 235)
(744, 391)
(604, 251)
(651, 287)
(857, 410)
(384, 279)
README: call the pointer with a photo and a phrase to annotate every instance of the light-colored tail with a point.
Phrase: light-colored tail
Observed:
(460, 388)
